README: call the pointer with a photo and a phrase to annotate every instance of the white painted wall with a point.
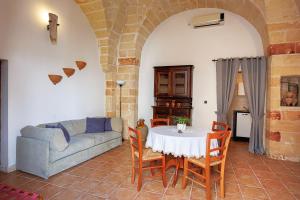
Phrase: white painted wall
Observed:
(24, 42)
(173, 42)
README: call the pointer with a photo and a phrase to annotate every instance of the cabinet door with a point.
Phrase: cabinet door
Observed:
(180, 83)
(163, 83)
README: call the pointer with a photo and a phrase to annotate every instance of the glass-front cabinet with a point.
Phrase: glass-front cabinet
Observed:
(173, 81)
(180, 83)
(163, 83)
(173, 91)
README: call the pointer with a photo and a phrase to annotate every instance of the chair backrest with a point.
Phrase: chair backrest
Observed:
(223, 138)
(219, 126)
(160, 122)
(135, 142)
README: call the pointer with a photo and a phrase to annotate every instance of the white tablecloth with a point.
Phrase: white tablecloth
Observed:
(190, 143)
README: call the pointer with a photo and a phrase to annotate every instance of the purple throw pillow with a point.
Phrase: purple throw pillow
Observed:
(108, 124)
(64, 130)
(95, 125)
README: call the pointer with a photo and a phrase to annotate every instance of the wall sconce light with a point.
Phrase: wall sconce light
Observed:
(52, 27)
(120, 83)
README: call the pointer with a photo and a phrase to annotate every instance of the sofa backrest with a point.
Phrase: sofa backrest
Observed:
(116, 124)
(74, 127)
(78, 126)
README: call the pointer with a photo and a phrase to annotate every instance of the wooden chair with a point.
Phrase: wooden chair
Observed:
(144, 156)
(205, 164)
(219, 126)
(160, 122)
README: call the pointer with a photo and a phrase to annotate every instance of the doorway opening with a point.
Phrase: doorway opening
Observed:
(4, 115)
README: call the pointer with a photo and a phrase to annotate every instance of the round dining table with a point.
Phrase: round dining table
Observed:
(190, 143)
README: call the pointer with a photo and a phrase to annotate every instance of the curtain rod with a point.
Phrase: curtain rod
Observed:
(214, 60)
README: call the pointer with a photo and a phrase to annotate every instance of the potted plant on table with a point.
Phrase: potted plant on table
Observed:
(181, 123)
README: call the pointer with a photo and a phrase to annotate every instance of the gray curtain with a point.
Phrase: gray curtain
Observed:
(226, 78)
(254, 75)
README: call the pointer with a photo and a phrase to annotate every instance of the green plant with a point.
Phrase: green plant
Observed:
(181, 120)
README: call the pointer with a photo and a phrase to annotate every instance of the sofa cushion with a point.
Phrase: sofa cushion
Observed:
(65, 131)
(116, 124)
(77, 143)
(75, 127)
(105, 136)
(54, 136)
(95, 125)
(108, 124)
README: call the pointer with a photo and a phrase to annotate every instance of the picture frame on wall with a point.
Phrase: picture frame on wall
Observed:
(289, 91)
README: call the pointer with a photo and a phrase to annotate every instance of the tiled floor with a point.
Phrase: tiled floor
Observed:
(108, 177)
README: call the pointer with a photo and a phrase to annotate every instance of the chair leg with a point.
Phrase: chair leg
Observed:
(132, 175)
(164, 179)
(152, 163)
(185, 173)
(208, 183)
(222, 180)
(139, 186)
(133, 170)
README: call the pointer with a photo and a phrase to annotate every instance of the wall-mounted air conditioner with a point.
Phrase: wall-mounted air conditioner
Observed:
(207, 20)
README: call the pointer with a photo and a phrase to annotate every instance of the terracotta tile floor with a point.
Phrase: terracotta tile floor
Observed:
(108, 177)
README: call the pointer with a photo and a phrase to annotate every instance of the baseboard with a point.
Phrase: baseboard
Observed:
(8, 169)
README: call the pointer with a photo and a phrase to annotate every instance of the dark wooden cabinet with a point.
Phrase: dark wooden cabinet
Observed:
(173, 91)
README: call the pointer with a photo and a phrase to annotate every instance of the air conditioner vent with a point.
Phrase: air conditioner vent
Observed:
(207, 20)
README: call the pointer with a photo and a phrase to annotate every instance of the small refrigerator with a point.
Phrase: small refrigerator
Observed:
(241, 125)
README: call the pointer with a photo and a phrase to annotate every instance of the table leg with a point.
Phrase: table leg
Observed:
(171, 162)
(179, 165)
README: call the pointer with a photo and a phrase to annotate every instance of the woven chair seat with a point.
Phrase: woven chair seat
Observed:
(148, 154)
(201, 162)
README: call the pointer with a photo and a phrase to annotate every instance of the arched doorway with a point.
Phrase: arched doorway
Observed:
(173, 42)
(122, 28)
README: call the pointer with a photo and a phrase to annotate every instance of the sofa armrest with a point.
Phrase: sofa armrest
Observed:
(54, 136)
(117, 124)
(33, 156)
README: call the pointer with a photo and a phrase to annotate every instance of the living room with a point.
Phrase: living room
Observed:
(124, 40)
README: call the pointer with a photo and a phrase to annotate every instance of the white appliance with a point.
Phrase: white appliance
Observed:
(207, 20)
(243, 124)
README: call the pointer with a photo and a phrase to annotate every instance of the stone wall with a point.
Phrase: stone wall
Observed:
(122, 27)
(283, 123)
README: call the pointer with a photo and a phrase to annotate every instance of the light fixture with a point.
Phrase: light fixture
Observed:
(120, 83)
(52, 27)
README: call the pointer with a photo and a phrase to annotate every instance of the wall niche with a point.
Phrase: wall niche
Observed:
(289, 91)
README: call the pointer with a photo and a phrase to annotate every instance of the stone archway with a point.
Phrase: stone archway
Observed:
(122, 27)
(142, 19)
(159, 11)
(107, 18)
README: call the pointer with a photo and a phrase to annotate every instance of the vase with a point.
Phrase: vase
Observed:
(141, 126)
(173, 103)
(181, 127)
